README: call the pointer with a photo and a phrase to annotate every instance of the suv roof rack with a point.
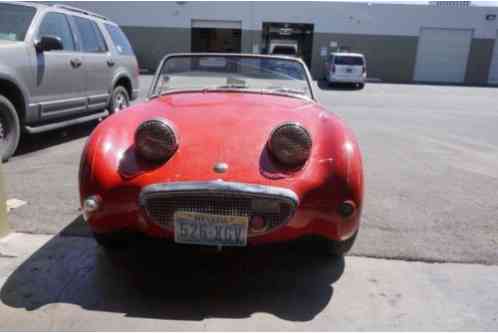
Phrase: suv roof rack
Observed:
(81, 11)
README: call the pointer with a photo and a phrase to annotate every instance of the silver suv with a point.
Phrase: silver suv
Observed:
(59, 66)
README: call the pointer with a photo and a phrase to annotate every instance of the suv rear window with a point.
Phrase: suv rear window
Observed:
(119, 38)
(348, 60)
(92, 40)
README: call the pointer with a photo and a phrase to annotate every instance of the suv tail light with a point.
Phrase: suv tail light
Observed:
(363, 69)
(332, 68)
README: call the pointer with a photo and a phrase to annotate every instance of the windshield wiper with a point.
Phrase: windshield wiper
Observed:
(229, 86)
(286, 90)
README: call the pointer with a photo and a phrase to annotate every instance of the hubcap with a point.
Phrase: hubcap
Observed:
(120, 102)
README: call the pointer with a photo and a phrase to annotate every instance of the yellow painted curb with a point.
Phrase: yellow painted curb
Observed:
(4, 227)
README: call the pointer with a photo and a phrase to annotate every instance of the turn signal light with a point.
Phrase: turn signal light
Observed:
(91, 205)
(347, 208)
(257, 224)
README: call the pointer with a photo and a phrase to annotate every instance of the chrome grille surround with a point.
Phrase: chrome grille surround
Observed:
(161, 201)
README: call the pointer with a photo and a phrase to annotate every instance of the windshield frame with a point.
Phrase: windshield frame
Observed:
(151, 94)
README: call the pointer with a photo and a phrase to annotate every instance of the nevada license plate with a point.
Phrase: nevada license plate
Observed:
(209, 229)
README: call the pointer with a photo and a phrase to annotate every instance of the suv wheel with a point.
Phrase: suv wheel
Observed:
(10, 131)
(119, 100)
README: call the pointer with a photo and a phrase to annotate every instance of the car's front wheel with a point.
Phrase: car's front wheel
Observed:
(10, 130)
(334, 247)
(112, 240)
(119, 100)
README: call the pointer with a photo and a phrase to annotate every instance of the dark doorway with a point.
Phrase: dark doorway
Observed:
(205, 39)
(300, 33)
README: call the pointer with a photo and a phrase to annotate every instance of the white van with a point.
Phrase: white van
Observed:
(283, 47)
(346, 68)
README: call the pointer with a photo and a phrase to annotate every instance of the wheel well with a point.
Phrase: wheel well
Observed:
(10, 91)
(126, 83)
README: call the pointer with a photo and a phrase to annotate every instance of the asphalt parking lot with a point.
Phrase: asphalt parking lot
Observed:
(431, 167)
(426, 256)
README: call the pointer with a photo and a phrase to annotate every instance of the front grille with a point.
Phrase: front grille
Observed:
(161, 205)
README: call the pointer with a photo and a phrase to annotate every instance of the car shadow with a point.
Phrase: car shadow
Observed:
(35, 142)
(324, 85)
(155, 279)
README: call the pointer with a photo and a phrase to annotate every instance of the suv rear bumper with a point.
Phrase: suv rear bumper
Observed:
(346, 78)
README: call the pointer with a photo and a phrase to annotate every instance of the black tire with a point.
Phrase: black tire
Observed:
(335, 248)
(361, 85)
(10, 129)
(120, 99)
(112, 240)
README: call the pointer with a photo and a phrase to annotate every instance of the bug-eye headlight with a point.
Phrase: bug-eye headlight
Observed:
(290, 144)
(155, 140)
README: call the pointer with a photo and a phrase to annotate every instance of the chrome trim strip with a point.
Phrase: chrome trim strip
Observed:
(217, 187)
(65, 123)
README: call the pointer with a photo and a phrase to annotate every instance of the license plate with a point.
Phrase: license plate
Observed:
(209, 229)
(349, 70)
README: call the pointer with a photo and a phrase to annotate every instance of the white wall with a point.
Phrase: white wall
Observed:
(338, 17)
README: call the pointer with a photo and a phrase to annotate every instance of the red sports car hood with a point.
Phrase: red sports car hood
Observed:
(213, 127)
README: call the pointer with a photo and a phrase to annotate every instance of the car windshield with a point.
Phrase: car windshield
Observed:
(15, 21)
(233, 72)
(349, 60)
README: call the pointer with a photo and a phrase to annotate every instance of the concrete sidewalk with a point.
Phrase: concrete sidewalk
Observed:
(68, 283)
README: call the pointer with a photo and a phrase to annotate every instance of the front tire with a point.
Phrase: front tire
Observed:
(335, 248)
(120, 99)
(361, 86)
(10, 129)
(111, 241)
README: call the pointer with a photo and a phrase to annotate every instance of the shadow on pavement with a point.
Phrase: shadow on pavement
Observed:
(155, 279)
(324, 85)
(34, 142)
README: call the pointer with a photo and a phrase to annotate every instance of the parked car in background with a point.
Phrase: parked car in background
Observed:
(349, 68)
(283, 47)
(225, 152)
(59, 66)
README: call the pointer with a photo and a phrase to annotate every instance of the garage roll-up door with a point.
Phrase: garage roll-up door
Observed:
(493, 71)
(442, 55)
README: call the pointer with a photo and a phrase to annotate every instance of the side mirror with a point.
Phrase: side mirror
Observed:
(49, 43)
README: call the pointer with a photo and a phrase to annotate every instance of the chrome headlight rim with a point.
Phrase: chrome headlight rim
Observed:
(299, 163)
(169, 149)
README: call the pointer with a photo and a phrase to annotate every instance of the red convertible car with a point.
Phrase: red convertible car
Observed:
(228, 150)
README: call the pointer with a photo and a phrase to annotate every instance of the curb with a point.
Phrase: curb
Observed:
(4, 226)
